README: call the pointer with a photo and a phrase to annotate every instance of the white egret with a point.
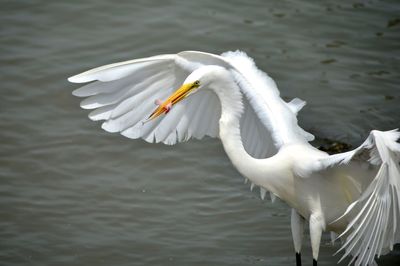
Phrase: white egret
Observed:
(354, 194)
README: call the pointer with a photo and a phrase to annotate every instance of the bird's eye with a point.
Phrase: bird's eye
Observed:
(196, 83)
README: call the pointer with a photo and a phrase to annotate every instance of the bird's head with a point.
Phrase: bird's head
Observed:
(197, 80)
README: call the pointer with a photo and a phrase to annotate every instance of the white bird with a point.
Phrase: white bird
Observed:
(355, 194)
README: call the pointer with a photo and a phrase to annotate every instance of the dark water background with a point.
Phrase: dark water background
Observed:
(71, 194)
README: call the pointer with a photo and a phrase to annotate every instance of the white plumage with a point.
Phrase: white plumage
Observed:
(354, 194)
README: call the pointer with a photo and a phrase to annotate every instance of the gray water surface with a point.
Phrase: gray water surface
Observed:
(71, 194)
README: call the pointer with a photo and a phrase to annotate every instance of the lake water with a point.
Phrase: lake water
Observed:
(72, 194)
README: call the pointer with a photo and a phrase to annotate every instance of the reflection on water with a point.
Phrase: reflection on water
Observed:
(73, 194)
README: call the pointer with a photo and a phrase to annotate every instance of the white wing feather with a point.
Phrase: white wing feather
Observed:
(263, 95)
(375, 216)
(123, 95)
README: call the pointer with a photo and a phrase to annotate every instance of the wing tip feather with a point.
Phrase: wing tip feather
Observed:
(80, 78)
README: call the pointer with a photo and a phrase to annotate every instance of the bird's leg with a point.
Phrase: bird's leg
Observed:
(297, 224)
(317, 225)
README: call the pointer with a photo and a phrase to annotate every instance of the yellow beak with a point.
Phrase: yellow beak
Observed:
(176, 97)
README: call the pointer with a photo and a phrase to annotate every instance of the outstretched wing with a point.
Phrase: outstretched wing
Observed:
(375, 216)
(276, 115)
(123, 95)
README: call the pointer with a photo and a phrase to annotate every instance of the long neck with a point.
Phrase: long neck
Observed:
(263, 172)
(229, 130)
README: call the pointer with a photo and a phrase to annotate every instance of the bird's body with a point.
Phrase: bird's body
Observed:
(234, 100)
